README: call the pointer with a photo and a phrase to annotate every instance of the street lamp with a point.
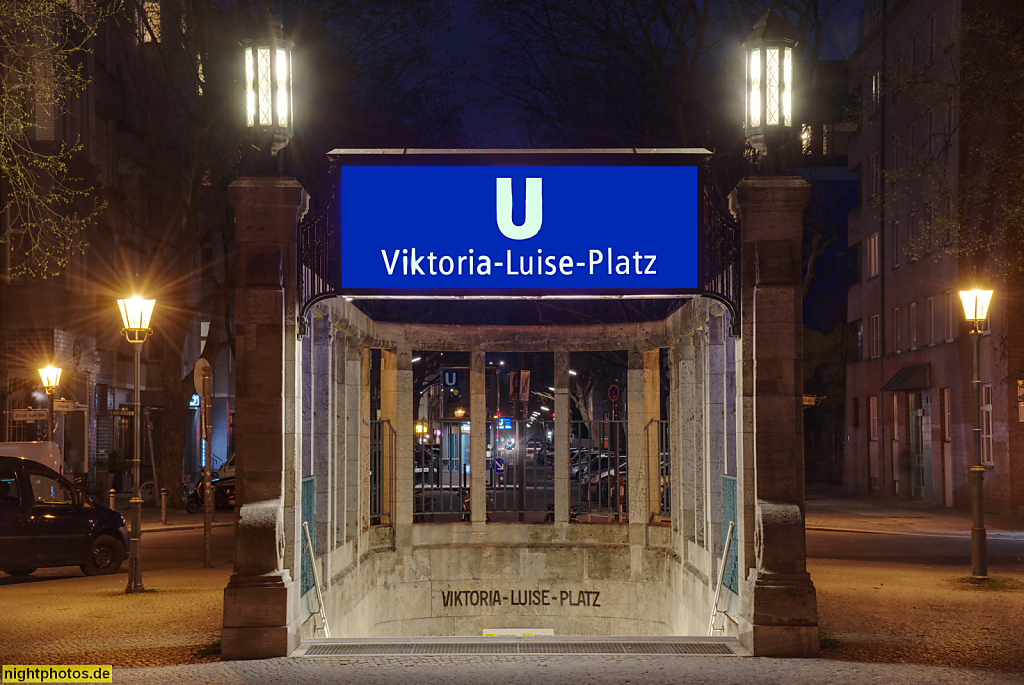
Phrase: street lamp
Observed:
(768, 116)
(50, 377)
(135, 315)
(269, 114)
(975, 310)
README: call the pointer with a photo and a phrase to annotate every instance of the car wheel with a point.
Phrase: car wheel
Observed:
(21, 572)
(105, 556)
(192, 506)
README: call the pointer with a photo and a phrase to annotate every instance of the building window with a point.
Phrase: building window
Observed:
(933, 134)
(873, 417)
(912, 237)
(896, 248)
(897, 156)
(947, 315)
(876, 343)
(927, 228)
(875, 174)
(913, 325)
(929, 311)
(947, 414)
(930, 26)
(897, 341)
(914, 47)
(951, 19)
(950, 220)
(859, 333)
(986, 424)
(872, 256)
(876, 90)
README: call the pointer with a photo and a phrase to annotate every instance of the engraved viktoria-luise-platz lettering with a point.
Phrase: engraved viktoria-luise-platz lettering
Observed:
(513, 598)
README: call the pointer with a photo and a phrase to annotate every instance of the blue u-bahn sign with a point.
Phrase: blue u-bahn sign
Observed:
(458, 228)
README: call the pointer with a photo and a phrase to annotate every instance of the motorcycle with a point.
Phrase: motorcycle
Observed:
(223, 494)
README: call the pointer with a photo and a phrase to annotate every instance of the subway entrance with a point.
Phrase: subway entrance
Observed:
(453, 436)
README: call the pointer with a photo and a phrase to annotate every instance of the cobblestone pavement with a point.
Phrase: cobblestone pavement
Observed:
(571, 670)
(882, 623)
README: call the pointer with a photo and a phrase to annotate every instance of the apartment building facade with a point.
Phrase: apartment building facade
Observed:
(934, 217)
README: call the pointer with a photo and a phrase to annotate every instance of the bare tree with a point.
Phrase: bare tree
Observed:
(48, 192)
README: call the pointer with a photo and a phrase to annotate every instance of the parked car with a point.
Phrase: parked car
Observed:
(45, 521)
(227, 469)
(426, 465)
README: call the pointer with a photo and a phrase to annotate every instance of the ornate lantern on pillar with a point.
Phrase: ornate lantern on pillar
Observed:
(269, 115)
(768, 120)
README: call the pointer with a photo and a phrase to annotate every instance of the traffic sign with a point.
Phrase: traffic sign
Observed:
(123, 412)
(450, 378)
(64, 405)
(613, 392)
(499, 465)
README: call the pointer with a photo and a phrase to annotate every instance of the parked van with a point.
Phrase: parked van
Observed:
(40, 451)
(45, 521)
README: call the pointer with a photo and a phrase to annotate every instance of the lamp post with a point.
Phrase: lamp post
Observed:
(50, 377)
(768, 117)
(976, 304)
(269, 115)
(135, 315)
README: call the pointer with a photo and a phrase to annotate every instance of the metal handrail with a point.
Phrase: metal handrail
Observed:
(721, 571)
(316, 579)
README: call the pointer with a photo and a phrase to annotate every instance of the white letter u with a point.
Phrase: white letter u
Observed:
(534, 209)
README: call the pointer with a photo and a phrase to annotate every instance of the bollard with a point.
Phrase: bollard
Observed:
(112, 491)
(163, 505)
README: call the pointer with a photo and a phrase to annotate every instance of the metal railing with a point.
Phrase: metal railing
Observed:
(440, 470)
(660, 479)
(382, 472)
(521, 469)
(598, 471)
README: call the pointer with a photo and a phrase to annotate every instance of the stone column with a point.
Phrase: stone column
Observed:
(478, 437)
(404, 441)
(652, 431)
(717, 427)
(779, 604)
(639, 506)
(562, 430)
(389, 413)
(261, 608)
(684, 428)
(354, 417)
(322, 453)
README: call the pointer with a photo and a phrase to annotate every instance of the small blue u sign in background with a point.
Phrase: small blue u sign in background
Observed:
(473, 229)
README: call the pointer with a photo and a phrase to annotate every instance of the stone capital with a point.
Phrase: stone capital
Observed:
(267, 209)
(770, 208)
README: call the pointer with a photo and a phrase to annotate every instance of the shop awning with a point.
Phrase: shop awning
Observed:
(913, 377)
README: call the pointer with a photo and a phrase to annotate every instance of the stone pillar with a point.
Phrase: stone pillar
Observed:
(354, 417)
(478, 437)
(261, 608)
(562, 430)
(322, 377)
(388, 412)
(779, 604)
(717, 427)
(684, 426)
(639, 506)
(652, 431)
(404, 443)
